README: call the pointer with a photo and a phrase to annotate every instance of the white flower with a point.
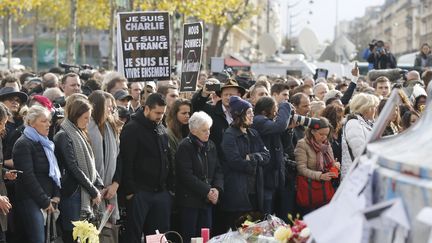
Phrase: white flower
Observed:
(305, 233)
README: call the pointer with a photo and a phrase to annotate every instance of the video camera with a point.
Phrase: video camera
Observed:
(394, 75)
(85, 71)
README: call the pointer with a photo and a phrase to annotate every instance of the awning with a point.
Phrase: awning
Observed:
(234, 62)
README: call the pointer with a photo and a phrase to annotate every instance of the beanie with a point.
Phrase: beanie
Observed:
(238, 106)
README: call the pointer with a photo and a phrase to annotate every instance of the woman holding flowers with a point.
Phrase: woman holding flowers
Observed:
(316, 167)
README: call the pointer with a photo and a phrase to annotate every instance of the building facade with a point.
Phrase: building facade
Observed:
(405, 24)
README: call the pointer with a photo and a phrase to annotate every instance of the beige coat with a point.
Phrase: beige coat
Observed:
(306, 160)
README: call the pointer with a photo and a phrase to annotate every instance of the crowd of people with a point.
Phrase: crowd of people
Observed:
(180, 161)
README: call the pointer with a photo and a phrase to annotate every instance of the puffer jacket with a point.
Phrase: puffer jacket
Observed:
(35, 182)
(354, 134)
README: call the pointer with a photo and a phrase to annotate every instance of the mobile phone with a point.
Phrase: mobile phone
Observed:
(16, 171)
(213, 87)
(355, 65)
(321, 73)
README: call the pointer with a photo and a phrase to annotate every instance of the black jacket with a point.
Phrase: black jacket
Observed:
(384, 61)
(220, 124)
(34, 182)
(238, 171)
(3, 190)
(198, 170)
(145, 155)
(270, 132)
(72, 175)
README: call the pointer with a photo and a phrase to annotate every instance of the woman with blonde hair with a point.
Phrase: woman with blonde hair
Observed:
(357, 128)
(38, 187)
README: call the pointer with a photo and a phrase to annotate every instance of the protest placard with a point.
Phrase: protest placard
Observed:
(143, 47)
(191, 56)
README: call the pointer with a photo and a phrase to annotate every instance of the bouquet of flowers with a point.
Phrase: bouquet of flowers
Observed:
(85, 231)
(275, 230)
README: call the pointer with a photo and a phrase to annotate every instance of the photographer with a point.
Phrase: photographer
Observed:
(381, 57)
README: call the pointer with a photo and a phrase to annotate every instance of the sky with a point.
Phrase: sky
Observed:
(323, 17)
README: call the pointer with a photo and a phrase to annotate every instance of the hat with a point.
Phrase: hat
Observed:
(122, 94)
(44, 101)
(151, 84)
(238, 106)
(231, 83)
(332, 94)
(7, 92)
(35, 80)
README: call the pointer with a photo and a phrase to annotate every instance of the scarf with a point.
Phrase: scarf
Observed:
(202, 146)
(324, 159)
(105, 149)
(48, 146)
(86, 163)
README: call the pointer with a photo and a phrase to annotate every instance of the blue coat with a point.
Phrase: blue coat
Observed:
(238, 171)
(270, 132)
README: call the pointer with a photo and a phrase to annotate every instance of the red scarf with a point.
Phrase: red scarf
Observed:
(324, 159)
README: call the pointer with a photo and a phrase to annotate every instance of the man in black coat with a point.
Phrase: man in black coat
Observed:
(144, 153)
(220, 113)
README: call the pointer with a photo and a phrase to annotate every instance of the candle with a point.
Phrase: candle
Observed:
(205, 234)
(197, 240)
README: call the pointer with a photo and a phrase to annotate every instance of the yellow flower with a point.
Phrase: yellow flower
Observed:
(85, 230)
(283, 233)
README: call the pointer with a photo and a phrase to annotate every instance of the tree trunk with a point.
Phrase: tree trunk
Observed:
(223, 41)
(71, 39)
(211, 52)
(112, 28)
(35, 40)
(82, 46)
(56, 47)
(9, 40)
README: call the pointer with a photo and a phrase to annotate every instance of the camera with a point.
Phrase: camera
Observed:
(57, 113)
(213, 87)
(84, 71)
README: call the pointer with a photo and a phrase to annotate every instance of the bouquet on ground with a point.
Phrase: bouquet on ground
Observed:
(275, 230)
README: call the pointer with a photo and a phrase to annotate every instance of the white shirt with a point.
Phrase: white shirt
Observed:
(228, 116)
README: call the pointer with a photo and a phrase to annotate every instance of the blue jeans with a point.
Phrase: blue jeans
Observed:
(32, 220)
(70, 209)
(193, 220)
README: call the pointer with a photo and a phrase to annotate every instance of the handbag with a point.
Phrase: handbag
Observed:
(312, 193)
